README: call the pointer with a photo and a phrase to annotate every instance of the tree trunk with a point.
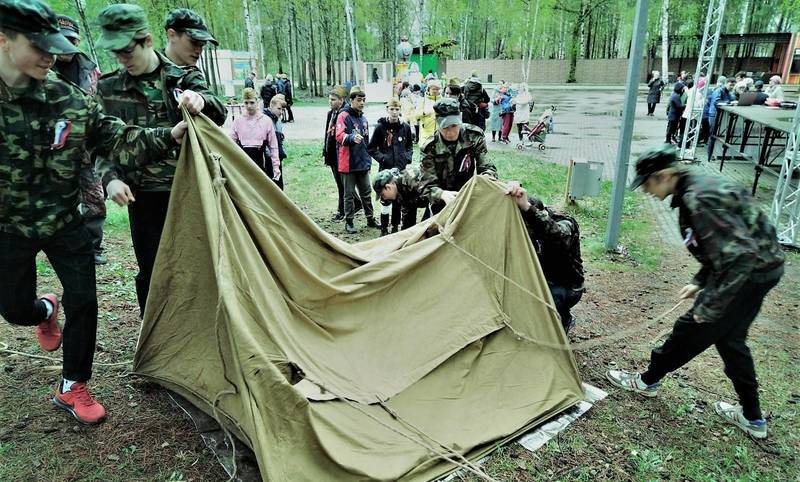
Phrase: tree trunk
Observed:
(665, 40)
(80, 5)
(251, 40)
(313, 63)
(575, 45)
(348, 10)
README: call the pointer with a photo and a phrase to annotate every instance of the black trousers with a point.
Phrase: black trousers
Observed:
(71, 254)
(352, 182)
(264, 163)
(565, 299)
(651, 107)
(147, 217)
(672, 129)
(705, 128)
(689, 339)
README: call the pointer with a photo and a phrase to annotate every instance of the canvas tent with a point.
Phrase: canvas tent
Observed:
(401, 345)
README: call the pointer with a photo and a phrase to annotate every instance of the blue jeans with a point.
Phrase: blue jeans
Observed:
(565, 299)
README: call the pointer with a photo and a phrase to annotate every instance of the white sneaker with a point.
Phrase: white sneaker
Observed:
(632, 382)
(733, 414)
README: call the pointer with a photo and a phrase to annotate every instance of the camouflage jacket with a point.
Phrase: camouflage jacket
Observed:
(557, 241)
(123, 96)
(408, 188)
(729, 235)
(86, 70)
(44, 132)
(448, 168)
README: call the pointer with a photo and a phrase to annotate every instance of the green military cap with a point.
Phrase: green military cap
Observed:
(653, 160)
(383, 178)
(39, 24)
(119, 24)
(69, 27)
(448, 113)
(185, 20)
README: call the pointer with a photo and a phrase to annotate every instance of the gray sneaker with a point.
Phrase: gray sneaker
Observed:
(733, 414)
(632, 382)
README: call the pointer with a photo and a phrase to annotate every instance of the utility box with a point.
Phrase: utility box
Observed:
(584, 178)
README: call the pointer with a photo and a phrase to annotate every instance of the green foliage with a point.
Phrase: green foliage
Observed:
(481, 28)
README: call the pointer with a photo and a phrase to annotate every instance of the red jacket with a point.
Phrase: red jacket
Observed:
(352, 157)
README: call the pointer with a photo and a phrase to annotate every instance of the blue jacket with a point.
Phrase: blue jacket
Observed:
(676, 107)
(719, 95)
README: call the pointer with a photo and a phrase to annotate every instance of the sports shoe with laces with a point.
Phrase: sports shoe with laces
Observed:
(632, 382)
(79, 402)
(733, 414)
(48, 332)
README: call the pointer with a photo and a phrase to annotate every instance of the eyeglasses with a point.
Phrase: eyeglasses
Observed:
(128, 51)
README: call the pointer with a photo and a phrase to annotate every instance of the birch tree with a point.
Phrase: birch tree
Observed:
(665, 40)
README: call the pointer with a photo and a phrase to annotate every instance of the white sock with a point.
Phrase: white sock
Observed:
(48, 306)
(66, 385)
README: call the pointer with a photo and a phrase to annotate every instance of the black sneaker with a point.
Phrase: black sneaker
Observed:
(338, 216)
(395, 229)
(350, 228)
(100, 260)
(372, 223)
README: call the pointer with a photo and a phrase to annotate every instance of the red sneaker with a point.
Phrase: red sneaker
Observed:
(48, 331)
(80, 404)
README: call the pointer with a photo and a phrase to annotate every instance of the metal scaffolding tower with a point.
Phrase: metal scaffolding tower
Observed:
(705, 63)
(785, 212)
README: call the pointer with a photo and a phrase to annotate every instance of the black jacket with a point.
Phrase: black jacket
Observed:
(268, 91)
(392, 145)
(330, 151)
(556, 239)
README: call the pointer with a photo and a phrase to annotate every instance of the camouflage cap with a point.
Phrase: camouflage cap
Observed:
(185, 20)
(119, 24)
(653, 160)
(448, 113)
(69, 27)
(383, 178)
(39, 24)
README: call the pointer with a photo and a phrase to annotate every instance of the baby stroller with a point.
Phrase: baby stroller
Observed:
(536, 134)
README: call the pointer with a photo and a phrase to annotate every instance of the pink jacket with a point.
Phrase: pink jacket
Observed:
(253, 130)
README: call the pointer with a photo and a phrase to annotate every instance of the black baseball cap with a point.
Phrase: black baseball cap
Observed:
(39, 24)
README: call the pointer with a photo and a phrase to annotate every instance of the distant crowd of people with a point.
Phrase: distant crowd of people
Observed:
(686, 94)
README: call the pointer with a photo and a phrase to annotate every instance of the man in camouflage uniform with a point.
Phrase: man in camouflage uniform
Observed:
(79, 69)
(187, 35)
(144, 92)
(557, 241)
(450, 158)
(393, 187)
(741, 261)
(46, 126)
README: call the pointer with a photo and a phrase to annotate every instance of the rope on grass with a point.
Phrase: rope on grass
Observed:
(5, 349)
(602, 341)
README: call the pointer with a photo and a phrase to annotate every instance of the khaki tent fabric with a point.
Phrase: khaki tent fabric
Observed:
(249, 295)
